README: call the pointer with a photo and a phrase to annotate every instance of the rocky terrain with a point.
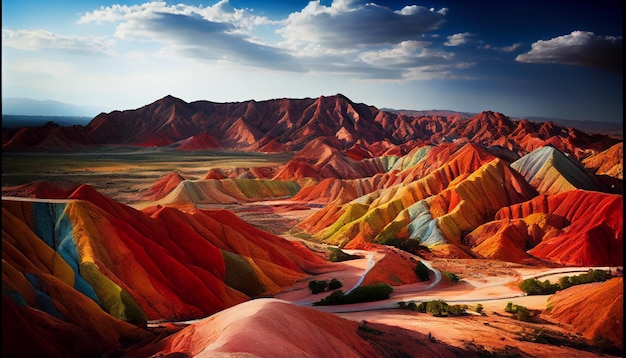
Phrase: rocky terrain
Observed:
(194, 229)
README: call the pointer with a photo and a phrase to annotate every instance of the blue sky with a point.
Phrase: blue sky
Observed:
(556, 59)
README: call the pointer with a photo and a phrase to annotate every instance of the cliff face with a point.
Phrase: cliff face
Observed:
(544, 207)
(94, 268)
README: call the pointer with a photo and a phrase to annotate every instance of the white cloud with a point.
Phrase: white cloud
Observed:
(459, 39)
(365, 41)
(405, 53)
(580, 48)
(348, 24)
(33, 40)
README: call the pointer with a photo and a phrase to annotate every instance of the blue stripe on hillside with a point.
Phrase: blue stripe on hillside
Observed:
(15, 296)
(43, 300)
(54, 227)
(44, 221)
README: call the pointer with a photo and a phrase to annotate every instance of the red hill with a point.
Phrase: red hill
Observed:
(290, 124)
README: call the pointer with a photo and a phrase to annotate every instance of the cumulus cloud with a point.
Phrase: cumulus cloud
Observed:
(32, 40)
(406, 54)
(218, 32)
(364, 40)
(459, 39)
(347, 23)
(580, 48)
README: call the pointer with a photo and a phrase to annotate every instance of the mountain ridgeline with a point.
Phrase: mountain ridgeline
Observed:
(290, 124)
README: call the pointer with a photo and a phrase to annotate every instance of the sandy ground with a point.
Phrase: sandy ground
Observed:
(494, 330)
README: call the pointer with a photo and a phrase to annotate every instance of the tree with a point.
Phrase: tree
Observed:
(422, 271)
(509, 307)
(334, 284)
(437, 308)
(317, 286)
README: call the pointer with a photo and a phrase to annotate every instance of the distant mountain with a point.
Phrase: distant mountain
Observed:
(17, 120)
(616, 130)
(34, 107)
(285, 124)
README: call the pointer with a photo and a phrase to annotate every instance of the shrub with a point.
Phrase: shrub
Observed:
(375, 292)
(337, 255)
(564, 282)
(437, 308)
(421, 271)
(334, 284)
(422, 307)
(533, 286)
(317, 286)
(457, 310)
(409, 245)
(360, 294)
(509, 307)
(450, 276)
(520, 313)
(335, 298)
(479, 308)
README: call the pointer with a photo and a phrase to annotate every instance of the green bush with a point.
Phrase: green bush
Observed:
(421, 271)
(479, 308)
(360, 294)
(375, 292)
(509, 307)
(533, 286)
(520, 313)
(334, 284)
(437, 308)
(337, 255)
(317, 286)
(335, 298)
(409, 245)
(323, 285)
(450, 276)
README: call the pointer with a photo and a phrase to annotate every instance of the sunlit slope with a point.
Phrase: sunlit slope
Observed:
(265, 328)
(161, 263)
(44, 287)
(551, 172)
(229, 191)
(321, 159)
(596, 310)
(460, 194)
(341, 191)
(451, 194)
(584, 228)
(609, 162)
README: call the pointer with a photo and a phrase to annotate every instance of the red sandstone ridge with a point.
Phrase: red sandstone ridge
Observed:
(42, 190)
(290, 124)
(90, 268)
(275, 328)
(321, 159)
(596, 310)
(162, 187)
(197, 142)
(589, 230)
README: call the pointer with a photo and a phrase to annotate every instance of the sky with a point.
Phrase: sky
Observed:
(551, 59)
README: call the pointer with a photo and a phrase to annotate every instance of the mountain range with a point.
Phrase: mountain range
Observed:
(83, 274)
(289, 124)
